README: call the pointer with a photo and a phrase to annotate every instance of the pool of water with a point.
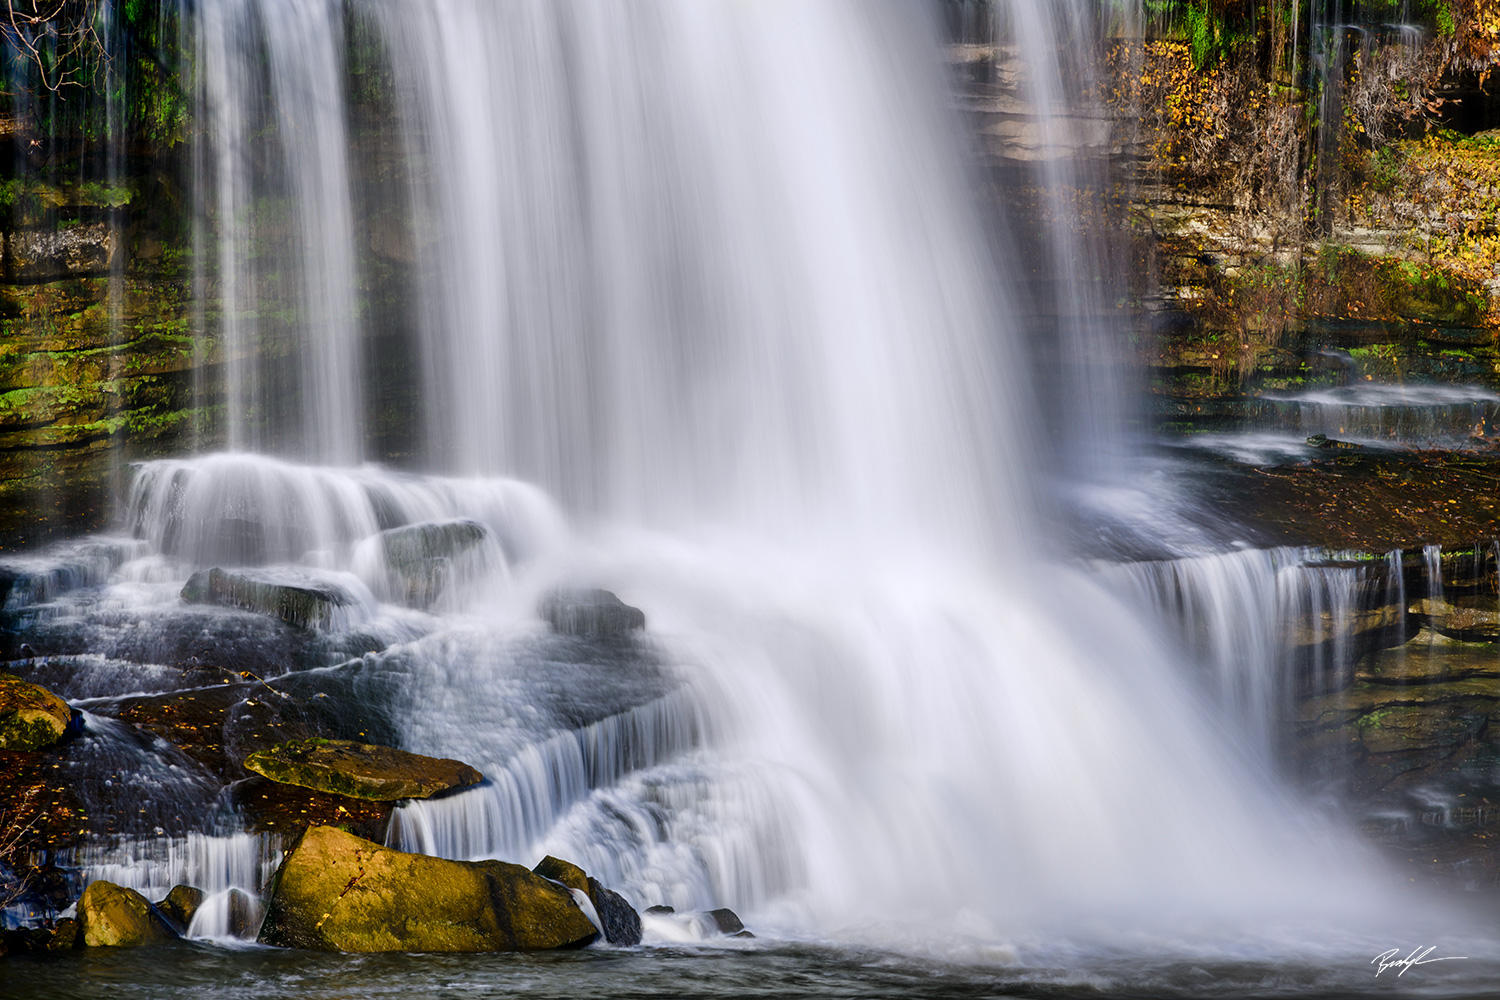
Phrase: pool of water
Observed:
(197, 969)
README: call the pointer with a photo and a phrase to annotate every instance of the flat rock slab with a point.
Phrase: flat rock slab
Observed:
(361, 770)
(299, 605)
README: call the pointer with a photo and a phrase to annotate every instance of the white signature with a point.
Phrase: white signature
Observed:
(1390, 960)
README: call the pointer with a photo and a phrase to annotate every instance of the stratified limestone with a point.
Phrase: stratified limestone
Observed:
(361, 770)
(336, 892)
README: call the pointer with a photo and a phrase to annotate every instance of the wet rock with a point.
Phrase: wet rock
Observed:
(336, 892)
(1327, 443)
(114, 916)
(421, 556)
(620, 922)
(622, 925)
(66, 252)
(361, 770)
(659, 910)
(180, 906)
(562, 871)
(61, 936)
(590, 613)
(727, 921)
(1464, 623)
(233, 913)
(65, 936)
(245, 914)
(31, 717)
(297, 605)
(1429, 657)
(1404, 728)
(271, 807)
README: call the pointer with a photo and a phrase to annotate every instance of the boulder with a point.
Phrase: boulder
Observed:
(590, 613)
(620, 922)
(180, 906)
(728, 922)
(421, 556)
(337, 892)
(562, 871)
(233, 913)
(360, 770)
(65, 936)
(660, 910)
(31, 717)
(413, 544)
(61, 936)
(617, 918)
(299, 605)
(114, 916)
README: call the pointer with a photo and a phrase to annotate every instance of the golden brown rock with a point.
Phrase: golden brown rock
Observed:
(337, 892)
(114, 916)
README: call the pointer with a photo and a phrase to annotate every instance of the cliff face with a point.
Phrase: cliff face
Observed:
(1295, 206)
(99, 363)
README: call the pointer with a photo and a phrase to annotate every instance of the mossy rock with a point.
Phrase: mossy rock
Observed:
(337, 892)
(114, 916)
(31, 717)
(562, 871)
(361, 770)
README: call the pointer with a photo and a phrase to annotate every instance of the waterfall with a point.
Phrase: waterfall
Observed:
(703, 311)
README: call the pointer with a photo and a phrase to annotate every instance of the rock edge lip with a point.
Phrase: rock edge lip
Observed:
(361, 770)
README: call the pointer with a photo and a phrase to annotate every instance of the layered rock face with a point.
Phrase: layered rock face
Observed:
(98, 362)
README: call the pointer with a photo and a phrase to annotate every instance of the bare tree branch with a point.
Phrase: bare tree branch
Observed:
(59, 37)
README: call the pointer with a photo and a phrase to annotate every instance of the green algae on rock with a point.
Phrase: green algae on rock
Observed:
(337, 892)
(31, 717)
(361, 770)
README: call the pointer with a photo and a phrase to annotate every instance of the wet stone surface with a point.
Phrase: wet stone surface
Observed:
(1367, 502)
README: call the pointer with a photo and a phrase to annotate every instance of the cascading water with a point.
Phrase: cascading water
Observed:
(708, 275)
